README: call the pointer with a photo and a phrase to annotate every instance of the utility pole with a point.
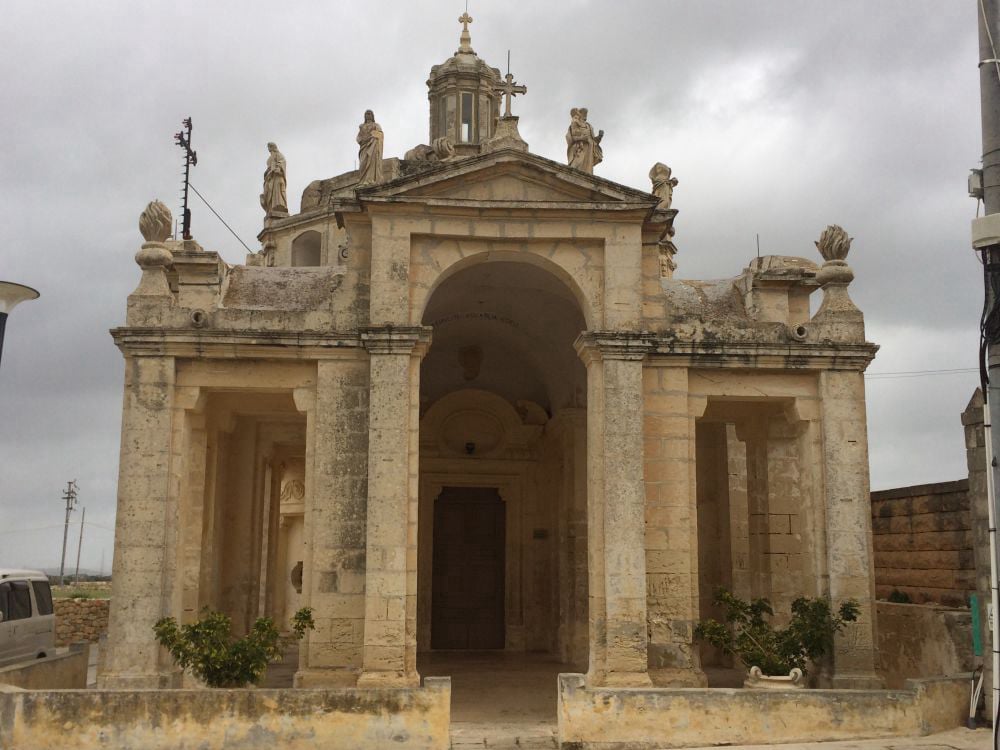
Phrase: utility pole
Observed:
(69, 495)
(79, 545)
(985, 184)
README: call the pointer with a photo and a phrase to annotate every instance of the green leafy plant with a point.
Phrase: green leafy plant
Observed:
(207, 649)
(750, 637)
(899, 597)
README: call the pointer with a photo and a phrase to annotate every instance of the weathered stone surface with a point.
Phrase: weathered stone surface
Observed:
(614, 719)
(220, 719)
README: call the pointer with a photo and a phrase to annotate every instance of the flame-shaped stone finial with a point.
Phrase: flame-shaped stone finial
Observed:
(834, 244)
(155, 222)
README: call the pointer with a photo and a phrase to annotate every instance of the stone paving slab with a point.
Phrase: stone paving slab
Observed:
(954, 739)
(466, 736)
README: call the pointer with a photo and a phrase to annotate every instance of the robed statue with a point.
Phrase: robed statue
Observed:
(663, 185)
(583, 148)
(369, 151)
(273, 200)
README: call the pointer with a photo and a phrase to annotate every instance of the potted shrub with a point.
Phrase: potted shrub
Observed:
(775, 658)
(208, 651)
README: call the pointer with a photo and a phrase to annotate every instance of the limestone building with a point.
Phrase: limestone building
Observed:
(459, 401)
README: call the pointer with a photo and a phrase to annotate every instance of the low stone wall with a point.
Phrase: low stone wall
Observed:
(921, 640)
(923, 544)
(644, 719)
(342, 719)
(58, 672)
(80, 620)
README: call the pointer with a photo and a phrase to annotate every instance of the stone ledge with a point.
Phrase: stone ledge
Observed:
(216, 719)
(644, 719)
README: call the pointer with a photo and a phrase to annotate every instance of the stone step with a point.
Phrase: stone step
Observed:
(503, 736)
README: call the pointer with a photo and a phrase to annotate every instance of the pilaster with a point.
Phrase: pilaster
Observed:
(850, 565)
(616, 506)
(139, 591)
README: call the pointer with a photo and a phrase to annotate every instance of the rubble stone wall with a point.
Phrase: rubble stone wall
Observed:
(923, 543)
(80, 620)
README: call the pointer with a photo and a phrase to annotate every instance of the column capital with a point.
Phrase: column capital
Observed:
(628, 345)
(305, 398)
(397, 339)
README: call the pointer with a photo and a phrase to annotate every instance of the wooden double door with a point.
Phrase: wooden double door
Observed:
(467, 589)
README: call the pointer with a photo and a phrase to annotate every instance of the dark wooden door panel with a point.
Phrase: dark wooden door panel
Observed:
(467, 599)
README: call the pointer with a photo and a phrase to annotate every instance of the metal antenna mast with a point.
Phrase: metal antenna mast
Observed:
(69, 495)
(183, 139)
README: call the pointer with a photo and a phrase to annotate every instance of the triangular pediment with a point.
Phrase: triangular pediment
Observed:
(507, 177)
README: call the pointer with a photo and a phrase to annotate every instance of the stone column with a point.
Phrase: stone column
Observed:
(333, 548)
(192, 506)
(616, 504)
(669, 452)
(139, 595)
(390, 644)
(850, 565)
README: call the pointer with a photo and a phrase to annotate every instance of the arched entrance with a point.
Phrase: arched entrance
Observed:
(502, 562)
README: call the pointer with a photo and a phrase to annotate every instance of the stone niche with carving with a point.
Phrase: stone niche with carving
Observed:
(479, 424)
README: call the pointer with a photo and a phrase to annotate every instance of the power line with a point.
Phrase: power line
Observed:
(918, 373)
(90, 525)
(219, 217)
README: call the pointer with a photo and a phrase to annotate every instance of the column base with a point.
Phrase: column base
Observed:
(320, 678)
(678, 678)
(619, 679)
(385, 678)
(155, 681)
(861, 681)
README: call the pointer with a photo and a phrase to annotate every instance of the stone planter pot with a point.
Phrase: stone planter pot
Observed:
(757, 680)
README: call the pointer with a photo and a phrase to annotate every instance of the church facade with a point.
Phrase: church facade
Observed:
(459, 402)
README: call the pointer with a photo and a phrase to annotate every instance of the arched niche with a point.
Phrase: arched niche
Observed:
(307, 249)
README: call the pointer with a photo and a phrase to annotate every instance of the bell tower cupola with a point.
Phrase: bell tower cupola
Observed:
(464, 103)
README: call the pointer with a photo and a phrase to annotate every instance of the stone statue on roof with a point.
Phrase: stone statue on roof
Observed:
(370, 139)
(273, 200)
(663, 185)
(583, 148)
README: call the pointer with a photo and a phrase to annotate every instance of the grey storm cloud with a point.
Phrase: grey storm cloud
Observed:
(778, 118)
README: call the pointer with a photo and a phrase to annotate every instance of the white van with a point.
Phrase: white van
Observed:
(27, 625)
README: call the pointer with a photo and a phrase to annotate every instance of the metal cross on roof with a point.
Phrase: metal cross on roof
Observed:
(509, 89)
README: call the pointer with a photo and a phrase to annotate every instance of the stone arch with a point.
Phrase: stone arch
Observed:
(579, 269)
(307, 249)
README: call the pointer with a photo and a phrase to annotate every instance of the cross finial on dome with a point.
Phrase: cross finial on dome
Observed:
(465, 41)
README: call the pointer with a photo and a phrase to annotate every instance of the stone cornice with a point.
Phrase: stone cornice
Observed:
(763, 356)
(657, 350)
(396, 339)
(216, 344)
(629, 345)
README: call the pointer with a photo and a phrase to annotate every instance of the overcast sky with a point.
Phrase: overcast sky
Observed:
(778, 118)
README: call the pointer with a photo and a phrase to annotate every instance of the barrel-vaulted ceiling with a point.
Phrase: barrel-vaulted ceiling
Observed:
(508, 328)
